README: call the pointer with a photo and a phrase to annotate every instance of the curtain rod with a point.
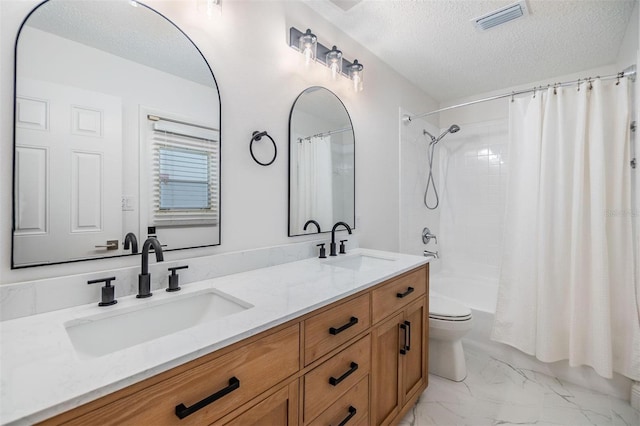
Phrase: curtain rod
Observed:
(329, 133)
(628, 72)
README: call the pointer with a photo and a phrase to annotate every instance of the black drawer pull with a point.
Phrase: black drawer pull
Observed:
(404, 348)
(352, 412)
(183, 411)
(408, 344)
(353, 321)
(406, 293)
(334, 382)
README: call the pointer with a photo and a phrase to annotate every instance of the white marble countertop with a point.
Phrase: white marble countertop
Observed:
(42, 375)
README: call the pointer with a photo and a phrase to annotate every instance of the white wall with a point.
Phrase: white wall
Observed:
(414, 172)
(259, 78)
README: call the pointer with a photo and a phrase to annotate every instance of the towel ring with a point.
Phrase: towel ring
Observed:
(257, 136)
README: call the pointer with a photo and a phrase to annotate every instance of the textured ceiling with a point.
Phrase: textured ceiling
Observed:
(134, 33)
(435, 46)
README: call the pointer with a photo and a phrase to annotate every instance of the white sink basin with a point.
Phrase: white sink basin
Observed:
(118, 329)
(360, 262)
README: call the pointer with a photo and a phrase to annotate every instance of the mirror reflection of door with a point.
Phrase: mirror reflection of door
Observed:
(321, 162)
(67, 135)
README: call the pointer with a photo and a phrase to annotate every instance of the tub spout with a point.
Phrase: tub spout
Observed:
(433, 254)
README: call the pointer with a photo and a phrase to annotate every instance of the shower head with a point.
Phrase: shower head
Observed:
(453, 129)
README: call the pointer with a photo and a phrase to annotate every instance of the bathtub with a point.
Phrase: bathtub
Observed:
(480, 295)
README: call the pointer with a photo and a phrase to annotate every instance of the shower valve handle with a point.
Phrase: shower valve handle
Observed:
(427, 236)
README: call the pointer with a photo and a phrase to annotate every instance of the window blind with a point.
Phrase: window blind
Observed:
(185, 174)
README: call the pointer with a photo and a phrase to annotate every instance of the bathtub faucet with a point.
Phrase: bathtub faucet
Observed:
(433, 254)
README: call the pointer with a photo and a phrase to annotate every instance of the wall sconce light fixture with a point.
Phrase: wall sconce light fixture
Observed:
(307, 44)
(355, 74)
(334, 62)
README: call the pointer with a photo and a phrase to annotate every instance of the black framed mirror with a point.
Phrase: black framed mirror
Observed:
(116, 132)
(321, 162)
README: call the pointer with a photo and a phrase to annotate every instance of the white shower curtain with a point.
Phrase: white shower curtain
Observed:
(566, 284)
(315, 182)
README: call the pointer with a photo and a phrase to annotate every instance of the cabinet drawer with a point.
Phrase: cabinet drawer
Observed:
(279, 409)
(351, 409)
(398, 293)
(326, 383)
(257, 366)
(330, 329)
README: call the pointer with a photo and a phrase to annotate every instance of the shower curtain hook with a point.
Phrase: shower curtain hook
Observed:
(512, 95)
(620, 75)
(555, 87)
(590, 85)
(534, 91)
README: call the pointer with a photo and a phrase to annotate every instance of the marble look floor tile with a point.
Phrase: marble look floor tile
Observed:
(497, 393)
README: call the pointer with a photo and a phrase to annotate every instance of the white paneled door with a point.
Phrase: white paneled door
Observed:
(68, 173)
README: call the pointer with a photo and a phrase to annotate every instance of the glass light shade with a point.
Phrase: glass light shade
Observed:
(355, 74)
(308, 45)
(334, 62)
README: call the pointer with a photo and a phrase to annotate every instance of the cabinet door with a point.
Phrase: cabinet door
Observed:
(385, 370)
(279, 409)
(414, 360)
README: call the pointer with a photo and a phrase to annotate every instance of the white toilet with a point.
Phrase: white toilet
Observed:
(449, 321)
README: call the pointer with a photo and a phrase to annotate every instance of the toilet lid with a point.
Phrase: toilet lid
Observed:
(441, 307)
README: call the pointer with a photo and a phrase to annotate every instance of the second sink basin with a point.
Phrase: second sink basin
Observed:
(108, 332)
(360, 262)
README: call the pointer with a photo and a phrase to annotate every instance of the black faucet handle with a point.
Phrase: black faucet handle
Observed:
(323, 251)
(174, 278)
(342, 247)
(108, 291)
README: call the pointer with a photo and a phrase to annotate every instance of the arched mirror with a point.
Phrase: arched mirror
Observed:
(321, 162)
(117, 132)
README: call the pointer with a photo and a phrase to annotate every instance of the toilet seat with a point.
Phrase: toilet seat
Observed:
(443, 309)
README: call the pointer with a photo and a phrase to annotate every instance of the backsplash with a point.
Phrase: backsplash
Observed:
(472, 180)
(39, 296)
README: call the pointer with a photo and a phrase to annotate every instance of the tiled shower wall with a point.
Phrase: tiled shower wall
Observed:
(472, 183)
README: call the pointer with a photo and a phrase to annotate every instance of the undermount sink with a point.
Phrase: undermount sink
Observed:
(360, 262)
(109, 332)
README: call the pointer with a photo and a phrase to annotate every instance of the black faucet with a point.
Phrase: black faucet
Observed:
(130, 240)
(332, 247)
(313, 222)
(144, 278)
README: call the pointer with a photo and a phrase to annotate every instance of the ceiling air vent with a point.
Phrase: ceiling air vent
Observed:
(501, 16)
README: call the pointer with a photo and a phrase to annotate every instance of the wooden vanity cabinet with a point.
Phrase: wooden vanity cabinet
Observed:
(361, 360)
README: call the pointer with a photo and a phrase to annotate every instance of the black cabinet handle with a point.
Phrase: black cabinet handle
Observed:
(352, 412)
(408, 341)
(353, 321)
(183, 411)
(403, 349)
(334, 382)
(406, 293)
